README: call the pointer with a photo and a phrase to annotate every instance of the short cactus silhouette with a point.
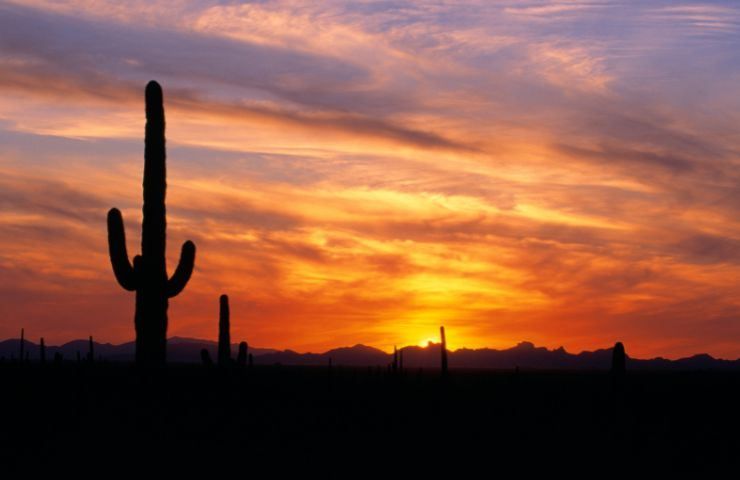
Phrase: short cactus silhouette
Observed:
(619, 361)
(147, 275)
(23, 345)
(205, 358)
(90, 350)
(224, 336)
(443, 347)
(241, 359)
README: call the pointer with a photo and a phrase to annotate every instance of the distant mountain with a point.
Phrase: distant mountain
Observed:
(178, 350)
(525, 355)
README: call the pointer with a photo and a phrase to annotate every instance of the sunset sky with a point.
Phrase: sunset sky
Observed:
(565, 173)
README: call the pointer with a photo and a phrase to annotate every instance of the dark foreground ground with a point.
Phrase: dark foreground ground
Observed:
(350, 422)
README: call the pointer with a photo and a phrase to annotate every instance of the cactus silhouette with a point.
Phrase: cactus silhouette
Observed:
(23, 346)
(443, 347)
(241, 358)
(619, 361)
(90, 351)
(42, 351)
(224, 337)
(148, 273)
(205, 358)
(395, 359)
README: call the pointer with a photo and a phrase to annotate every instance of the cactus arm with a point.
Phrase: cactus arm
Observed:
(183, 271)
(122, 269)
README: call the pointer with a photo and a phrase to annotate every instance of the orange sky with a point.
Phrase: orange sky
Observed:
(557, 172)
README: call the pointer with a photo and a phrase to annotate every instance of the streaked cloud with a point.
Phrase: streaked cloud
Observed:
(559, 172)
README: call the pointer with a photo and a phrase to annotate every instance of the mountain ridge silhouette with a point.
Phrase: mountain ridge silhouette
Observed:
(523, 355)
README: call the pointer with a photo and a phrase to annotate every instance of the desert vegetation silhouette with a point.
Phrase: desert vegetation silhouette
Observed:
(147, 274)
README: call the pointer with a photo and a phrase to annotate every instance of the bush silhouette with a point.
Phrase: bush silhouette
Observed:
(148, 273)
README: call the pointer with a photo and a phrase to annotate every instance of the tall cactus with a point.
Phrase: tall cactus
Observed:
(224, 337)
(148, 273)
(42, 351)
(443, 347)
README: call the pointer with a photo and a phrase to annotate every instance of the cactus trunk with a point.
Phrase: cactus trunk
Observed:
(42, 351)
(148, 273)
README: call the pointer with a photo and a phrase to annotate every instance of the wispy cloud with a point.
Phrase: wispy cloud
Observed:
(561, 172)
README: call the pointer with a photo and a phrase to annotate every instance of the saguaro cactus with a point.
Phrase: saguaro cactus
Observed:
(443, 347)
(224, 337)
(42, 351)
(148, 273)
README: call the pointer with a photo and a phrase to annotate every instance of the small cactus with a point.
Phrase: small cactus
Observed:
(205, 358)
(23, 345)
(241, 359)
(224, 336)
(443, 348)
(619, 360)
(90, 350)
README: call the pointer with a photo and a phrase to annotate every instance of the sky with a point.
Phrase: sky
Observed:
(564, 173)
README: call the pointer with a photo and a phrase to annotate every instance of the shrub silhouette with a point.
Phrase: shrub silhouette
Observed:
(148, 273)
(224, 336)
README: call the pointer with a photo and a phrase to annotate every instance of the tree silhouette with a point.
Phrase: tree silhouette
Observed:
(148, 273)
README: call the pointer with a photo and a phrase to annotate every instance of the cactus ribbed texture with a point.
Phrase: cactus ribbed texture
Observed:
(443, 348)
(224, 337)
(147, 275)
